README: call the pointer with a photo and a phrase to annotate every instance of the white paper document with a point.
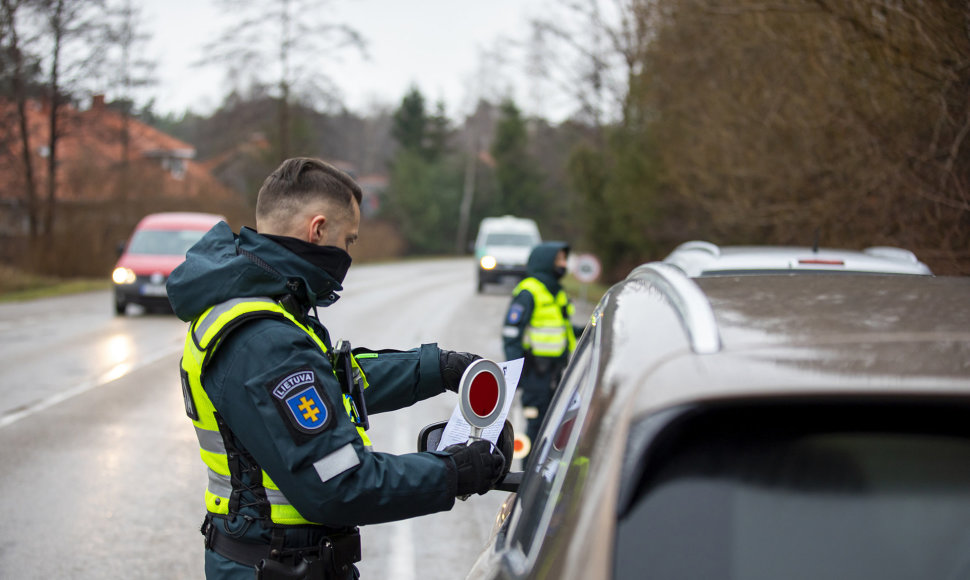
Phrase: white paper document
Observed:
(458, 430)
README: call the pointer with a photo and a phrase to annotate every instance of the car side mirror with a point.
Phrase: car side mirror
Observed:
(430, 436)
(121, 248)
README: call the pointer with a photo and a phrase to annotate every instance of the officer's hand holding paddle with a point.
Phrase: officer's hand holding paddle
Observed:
(478, 466)
(453, 365)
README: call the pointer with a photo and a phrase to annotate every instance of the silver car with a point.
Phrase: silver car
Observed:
(699, 258)
(753, 427)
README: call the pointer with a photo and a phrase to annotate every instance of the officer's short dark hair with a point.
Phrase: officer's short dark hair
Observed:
(302, 180)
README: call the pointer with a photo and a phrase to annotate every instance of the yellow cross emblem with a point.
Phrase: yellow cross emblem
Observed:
(309, 409)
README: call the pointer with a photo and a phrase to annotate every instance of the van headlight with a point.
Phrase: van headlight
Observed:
(488, 262)
(123, 276)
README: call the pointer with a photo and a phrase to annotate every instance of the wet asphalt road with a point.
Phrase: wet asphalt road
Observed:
(101, 475)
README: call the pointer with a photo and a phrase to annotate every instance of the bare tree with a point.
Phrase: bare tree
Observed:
(589, 49)
(20, 72)
(68, 27)
(125, 70)
(291, 39)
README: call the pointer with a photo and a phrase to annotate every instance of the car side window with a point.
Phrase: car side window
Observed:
(806, 491)
(551, 454)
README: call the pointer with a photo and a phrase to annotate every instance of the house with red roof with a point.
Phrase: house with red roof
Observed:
(102, 156)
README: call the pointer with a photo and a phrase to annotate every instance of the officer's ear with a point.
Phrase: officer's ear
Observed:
(317, 229)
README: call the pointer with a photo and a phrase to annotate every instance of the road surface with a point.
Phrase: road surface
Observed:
(101, 475)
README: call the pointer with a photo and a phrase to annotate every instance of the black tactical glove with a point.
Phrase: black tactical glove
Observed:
(453, 365)
(479, 467)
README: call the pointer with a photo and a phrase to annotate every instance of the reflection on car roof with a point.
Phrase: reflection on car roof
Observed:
(700, 258)
(785, 335)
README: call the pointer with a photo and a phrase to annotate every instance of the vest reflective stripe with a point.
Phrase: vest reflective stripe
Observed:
(213, 320)
(204, 337)
(219, 489)
(549, 332)
(221, 486)
(210, 441)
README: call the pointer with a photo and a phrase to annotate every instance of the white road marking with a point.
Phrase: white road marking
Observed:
(402, 548)
(113, 374)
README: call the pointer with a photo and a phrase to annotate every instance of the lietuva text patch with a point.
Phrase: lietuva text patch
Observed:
(304, 403)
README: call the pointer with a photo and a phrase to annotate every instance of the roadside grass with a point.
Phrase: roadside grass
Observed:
(590, 293)
(17, 285)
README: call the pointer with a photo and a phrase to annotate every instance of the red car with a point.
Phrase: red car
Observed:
(156, 247)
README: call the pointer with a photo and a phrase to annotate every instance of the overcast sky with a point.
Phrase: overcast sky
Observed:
(434, 44)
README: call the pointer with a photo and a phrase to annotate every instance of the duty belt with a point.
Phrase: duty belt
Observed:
(335, 553)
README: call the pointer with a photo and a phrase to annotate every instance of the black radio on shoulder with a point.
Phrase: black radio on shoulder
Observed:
(351, 382)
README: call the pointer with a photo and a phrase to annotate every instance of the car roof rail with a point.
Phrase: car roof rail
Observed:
(892, 253)
(690, 302)
(699, 245)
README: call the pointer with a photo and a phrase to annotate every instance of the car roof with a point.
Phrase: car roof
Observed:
(508, 223)
(700, 258)
(179, 221)
(673, 340)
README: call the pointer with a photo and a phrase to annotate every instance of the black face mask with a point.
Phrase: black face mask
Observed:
(559, 272)
(330, 259)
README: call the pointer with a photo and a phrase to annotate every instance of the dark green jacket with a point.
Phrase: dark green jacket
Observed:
(258, 354)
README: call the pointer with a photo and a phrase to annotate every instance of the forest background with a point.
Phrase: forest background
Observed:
(733, 121)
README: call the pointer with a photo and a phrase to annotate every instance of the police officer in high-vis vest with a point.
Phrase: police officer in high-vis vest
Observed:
(538, 327)
(281, 412)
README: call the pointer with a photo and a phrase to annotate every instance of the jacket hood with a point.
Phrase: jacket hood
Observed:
(542, 262)
(223, 265)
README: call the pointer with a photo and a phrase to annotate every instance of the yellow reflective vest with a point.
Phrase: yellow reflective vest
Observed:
(550, 330)
(204, 337)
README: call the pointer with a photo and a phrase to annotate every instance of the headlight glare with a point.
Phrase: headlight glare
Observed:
(123, 276)
(488, 262)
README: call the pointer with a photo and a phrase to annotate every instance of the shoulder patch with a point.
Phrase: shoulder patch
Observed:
(302, 402)
(515, 314)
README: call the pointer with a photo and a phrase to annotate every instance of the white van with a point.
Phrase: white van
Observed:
(503, 246)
